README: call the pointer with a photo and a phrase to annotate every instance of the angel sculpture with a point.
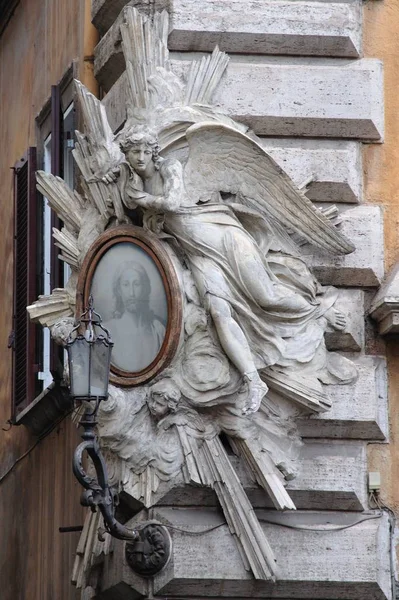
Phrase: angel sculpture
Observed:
(254, 315)
(266, 306)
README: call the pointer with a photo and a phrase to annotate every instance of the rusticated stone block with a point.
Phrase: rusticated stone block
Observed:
(359, 410)
(362, 225)
(286, 98)
(293, 28)
(350, 563)
(385, 306)
(331, 476)
(280, 97)
(104, 12)
(335, 167)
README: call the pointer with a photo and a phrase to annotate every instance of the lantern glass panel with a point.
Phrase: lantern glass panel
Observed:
(78, 358)
(99, 368)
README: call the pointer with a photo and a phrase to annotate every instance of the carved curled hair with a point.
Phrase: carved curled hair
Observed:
(139, 134)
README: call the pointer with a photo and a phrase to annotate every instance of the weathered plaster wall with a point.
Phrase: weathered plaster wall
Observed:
(381, 186)
(40, 494)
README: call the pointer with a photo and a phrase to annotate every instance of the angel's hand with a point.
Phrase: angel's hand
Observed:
(111, 176)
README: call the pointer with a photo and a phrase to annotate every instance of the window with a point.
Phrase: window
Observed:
(37, 361)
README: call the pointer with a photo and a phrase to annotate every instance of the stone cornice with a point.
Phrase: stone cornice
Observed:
(385, 306)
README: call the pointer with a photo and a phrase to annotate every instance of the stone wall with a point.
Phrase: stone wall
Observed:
(299, 78)
(381, 188)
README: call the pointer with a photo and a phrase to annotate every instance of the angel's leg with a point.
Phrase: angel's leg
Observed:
(257, 280)
(235, 344)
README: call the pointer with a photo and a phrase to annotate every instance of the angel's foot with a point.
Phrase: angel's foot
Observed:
(336, 319)
(256, 390)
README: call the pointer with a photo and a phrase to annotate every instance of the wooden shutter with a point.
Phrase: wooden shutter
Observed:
(25, 282)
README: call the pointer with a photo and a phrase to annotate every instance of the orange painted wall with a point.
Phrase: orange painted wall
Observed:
(381, 179)
(40, 494)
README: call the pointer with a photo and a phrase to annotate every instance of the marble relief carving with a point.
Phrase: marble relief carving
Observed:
(251, 355)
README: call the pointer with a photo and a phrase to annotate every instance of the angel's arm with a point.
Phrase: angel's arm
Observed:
(173, 184)
(173, 192)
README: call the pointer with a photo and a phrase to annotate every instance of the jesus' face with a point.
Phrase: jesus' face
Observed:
(131, 288)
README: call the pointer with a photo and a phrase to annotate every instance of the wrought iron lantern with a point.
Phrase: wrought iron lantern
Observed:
(89, 357)
(89, 348)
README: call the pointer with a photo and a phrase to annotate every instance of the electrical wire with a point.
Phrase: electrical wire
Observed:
(286, 525)
(374, 497)
(187, 531)
(331, 529)
(195, 533)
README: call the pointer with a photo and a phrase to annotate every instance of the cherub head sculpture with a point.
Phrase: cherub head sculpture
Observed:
(163, 398)
(140, 145)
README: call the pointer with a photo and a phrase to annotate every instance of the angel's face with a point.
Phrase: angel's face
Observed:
(158, 405)
(139, 157)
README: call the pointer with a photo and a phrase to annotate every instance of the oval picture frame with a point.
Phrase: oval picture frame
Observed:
(133, 241)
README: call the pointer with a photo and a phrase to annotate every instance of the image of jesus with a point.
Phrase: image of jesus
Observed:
(137, 332)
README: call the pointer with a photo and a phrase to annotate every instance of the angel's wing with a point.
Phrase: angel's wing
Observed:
(223, 159)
